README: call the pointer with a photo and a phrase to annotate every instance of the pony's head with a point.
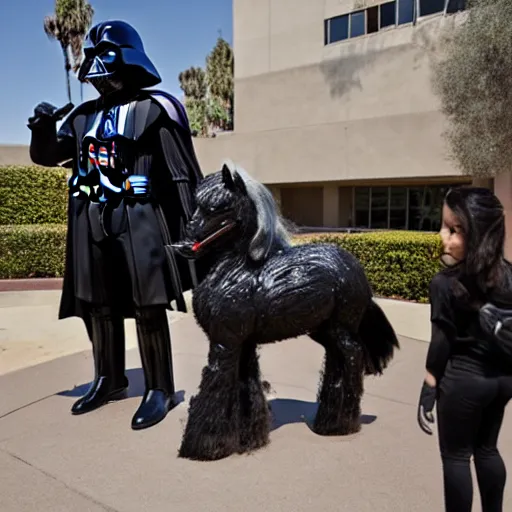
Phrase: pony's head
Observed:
(236, 213)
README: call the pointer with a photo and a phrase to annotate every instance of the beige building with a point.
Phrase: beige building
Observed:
(334, 110)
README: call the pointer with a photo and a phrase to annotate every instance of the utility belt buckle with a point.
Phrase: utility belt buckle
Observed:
(78, 187)
(137, 185)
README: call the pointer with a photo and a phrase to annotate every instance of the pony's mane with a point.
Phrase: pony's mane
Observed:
(271, 231)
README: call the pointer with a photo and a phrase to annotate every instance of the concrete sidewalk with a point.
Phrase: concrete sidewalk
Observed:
(30, 332)
(53, 461)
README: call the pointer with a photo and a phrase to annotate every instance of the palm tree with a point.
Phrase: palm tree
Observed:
(68, 26)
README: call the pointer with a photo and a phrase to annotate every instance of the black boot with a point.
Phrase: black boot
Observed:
(155, 352)
(108, 347)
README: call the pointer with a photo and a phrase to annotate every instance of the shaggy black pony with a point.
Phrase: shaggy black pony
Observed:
(261, 289)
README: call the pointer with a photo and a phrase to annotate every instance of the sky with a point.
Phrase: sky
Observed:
(176, 34)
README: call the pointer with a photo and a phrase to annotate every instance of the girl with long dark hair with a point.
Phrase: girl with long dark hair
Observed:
(467, 374)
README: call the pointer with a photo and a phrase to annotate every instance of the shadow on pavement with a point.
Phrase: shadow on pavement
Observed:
(286, 411)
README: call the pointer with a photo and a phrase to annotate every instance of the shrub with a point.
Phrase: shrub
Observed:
(32, 251)
(399, 264)
(33, 195)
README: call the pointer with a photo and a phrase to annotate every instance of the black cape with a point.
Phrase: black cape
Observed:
(178, 179)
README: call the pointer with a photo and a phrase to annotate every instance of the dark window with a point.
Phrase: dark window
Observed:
(372, 20)
(357, 22)
(362, 207)
(417, 206)
(431, 7)
(405, 11)
(338, 30)
(388, 14)
(455, 6)
(398, 208)
(380, 199)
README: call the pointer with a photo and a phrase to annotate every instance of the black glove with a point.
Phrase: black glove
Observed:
(45, 114)
(426, 404)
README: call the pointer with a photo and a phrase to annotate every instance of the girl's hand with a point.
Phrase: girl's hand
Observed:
(426, 403)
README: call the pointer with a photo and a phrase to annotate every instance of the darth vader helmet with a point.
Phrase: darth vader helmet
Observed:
(115, 59)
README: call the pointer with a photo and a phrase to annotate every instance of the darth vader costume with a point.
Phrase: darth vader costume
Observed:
(131, 192)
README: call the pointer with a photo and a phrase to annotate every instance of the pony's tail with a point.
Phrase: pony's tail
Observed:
(379, 339)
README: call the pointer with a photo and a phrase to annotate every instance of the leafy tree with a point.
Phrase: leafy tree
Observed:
(68, 26)
(220, 77)
(473, 78)
(193, 83)
(209, 93)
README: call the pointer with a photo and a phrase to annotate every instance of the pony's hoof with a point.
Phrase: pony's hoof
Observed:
(344, 428)
(207, 447)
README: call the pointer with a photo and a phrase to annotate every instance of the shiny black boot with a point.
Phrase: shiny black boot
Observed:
(108, 347)
(155, 352)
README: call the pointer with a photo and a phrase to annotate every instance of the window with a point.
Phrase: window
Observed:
(337, 29)
(405, 11)
(361, 205)
(398, 208)
(414, 208)
(455, 6)
(357, 24)
(431, 7)
(380, 206)
(388, 14)
(372, 20)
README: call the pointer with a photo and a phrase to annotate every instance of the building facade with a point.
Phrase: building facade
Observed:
(335, 112)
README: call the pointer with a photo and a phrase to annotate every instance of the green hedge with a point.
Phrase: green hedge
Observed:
(399, 264)
(32, 251)
(33, 195)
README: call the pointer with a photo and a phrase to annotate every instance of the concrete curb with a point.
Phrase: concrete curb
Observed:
(17, 285)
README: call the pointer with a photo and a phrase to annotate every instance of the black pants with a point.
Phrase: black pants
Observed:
(470, 412)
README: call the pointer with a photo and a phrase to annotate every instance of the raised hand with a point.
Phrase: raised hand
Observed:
(47, 114)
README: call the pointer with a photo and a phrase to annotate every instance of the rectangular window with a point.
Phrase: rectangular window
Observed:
(398, 208)
(372, 20)
(405, 11)
(362, 207)
(455, 6)
(431, 7)
(357, 24)
(416, 206)
(380, 204)
(387, 14)
(337, 29)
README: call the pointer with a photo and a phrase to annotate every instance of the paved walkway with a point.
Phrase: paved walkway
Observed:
(53, 461)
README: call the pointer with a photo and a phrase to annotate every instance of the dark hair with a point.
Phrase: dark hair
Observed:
(482, 219)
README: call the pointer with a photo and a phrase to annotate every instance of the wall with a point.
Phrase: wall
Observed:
(357, 109)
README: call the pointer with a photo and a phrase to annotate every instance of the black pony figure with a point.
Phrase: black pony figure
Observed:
(260, 289)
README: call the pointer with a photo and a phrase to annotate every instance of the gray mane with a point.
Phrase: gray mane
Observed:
(271, 230)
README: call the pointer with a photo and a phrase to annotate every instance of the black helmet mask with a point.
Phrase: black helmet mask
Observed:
(115, 59)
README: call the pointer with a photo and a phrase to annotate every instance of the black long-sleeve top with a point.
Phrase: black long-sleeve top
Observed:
(443, 326)
(456, 333)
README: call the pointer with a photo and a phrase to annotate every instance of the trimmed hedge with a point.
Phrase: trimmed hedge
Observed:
(32, 251)
(399, 264)
(33, 195)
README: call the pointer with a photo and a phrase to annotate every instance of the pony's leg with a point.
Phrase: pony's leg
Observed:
(342, 388)
(254, 412)
(213, 427)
